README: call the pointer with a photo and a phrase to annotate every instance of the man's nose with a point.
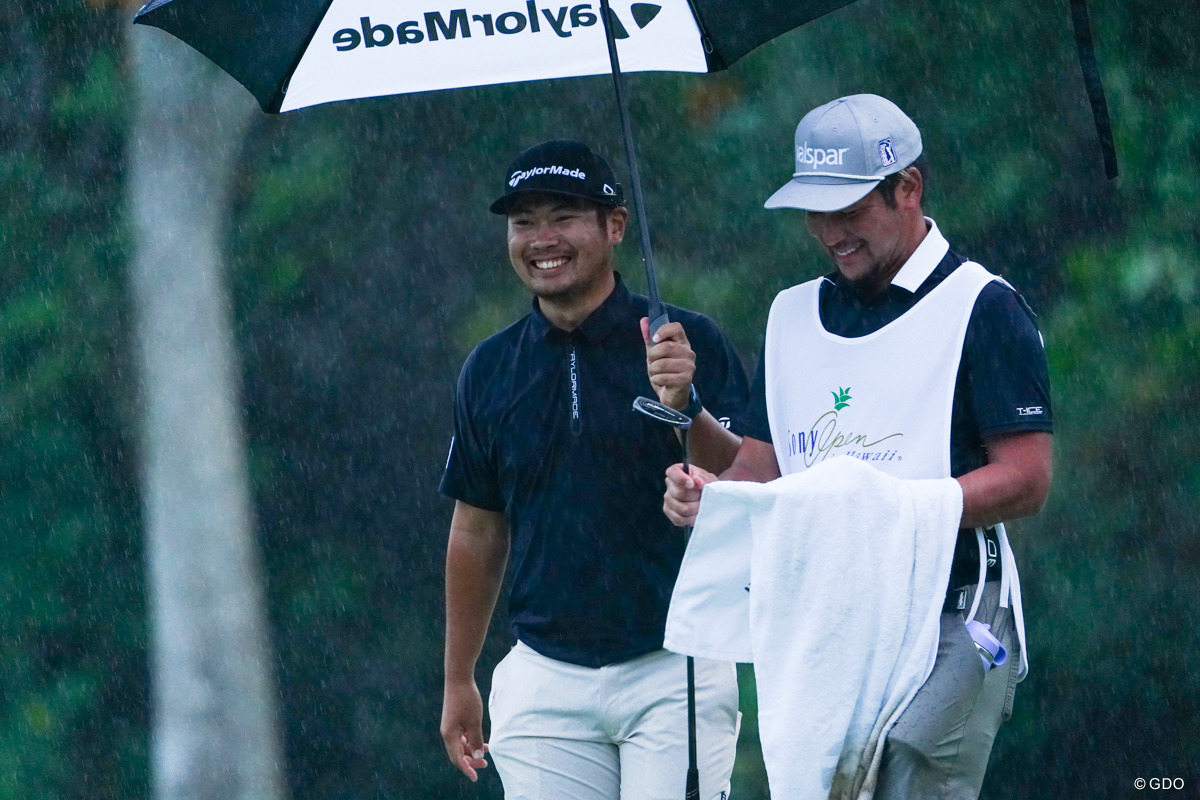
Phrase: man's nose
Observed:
(826, 230)
(545, 234)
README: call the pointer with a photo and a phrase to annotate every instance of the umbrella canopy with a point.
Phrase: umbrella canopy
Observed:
(292, 54)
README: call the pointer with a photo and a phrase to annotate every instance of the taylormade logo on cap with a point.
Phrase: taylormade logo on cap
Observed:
(559, 167)
(818, 157)
(517, 177)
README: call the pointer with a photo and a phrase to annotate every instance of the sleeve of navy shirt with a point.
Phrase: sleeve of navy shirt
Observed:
(720, 379)
(470, 475)
(753, 421)
(1004, 367)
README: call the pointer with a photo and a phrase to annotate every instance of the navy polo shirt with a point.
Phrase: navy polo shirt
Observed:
(1002, 374)
(545, 432)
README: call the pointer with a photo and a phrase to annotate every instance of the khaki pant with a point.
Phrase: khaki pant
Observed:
(939, 748)
(565, 732)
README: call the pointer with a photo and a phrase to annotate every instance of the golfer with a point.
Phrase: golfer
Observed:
(556, 476)
(939, 369)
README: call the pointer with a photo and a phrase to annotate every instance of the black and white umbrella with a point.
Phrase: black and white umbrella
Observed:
(296, 53)
(292, 54)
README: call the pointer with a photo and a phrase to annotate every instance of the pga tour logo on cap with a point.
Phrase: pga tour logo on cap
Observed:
(517, 177)
(886, 154)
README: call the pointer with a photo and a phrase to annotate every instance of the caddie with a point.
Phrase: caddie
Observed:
(556, 476)
(915, 359)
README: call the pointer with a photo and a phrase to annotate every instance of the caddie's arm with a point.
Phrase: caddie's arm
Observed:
(671, 365)
(1014, 483)
(475, 560)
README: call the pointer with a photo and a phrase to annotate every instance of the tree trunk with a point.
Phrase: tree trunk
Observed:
(215, 731)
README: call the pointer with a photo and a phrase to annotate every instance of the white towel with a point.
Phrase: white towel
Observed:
(709, 616)
(847, 572)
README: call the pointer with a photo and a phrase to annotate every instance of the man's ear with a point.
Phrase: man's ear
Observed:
(618, 218)
(909, 192)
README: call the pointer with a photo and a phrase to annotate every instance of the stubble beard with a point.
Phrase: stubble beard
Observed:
(867, 283)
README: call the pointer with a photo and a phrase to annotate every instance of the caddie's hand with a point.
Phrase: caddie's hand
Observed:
(670, 363)
(682, 500)
(462, 728)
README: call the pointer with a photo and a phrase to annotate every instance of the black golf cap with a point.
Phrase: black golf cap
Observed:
(560, 166)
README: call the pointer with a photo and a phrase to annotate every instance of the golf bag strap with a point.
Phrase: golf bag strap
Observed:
(1010, 595)
(1010, 590)
(981, 539)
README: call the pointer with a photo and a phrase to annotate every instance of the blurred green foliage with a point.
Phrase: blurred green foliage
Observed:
(363, 266)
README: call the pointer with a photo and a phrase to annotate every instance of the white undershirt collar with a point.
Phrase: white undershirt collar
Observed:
(924, 260)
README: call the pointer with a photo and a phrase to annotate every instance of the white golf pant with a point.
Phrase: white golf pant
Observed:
(565, 732)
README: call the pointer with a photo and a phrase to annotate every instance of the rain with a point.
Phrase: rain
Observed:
(231, 341)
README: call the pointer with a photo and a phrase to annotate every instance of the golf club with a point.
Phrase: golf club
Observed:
(680, 422)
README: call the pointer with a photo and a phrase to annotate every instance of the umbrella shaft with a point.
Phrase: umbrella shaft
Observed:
(692, 784)
(635, 177)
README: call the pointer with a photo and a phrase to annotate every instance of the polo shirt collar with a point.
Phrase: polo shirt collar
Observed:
(616, 310)
(924, 260)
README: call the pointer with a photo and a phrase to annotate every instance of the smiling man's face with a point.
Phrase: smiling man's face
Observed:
(871, 240)
(562, 247)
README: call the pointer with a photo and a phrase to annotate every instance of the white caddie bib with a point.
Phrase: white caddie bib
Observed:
(884, 398)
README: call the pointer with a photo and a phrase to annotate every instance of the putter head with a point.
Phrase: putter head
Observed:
(656, 410)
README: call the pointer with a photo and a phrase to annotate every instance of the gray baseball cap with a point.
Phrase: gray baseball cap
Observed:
(844, 149)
